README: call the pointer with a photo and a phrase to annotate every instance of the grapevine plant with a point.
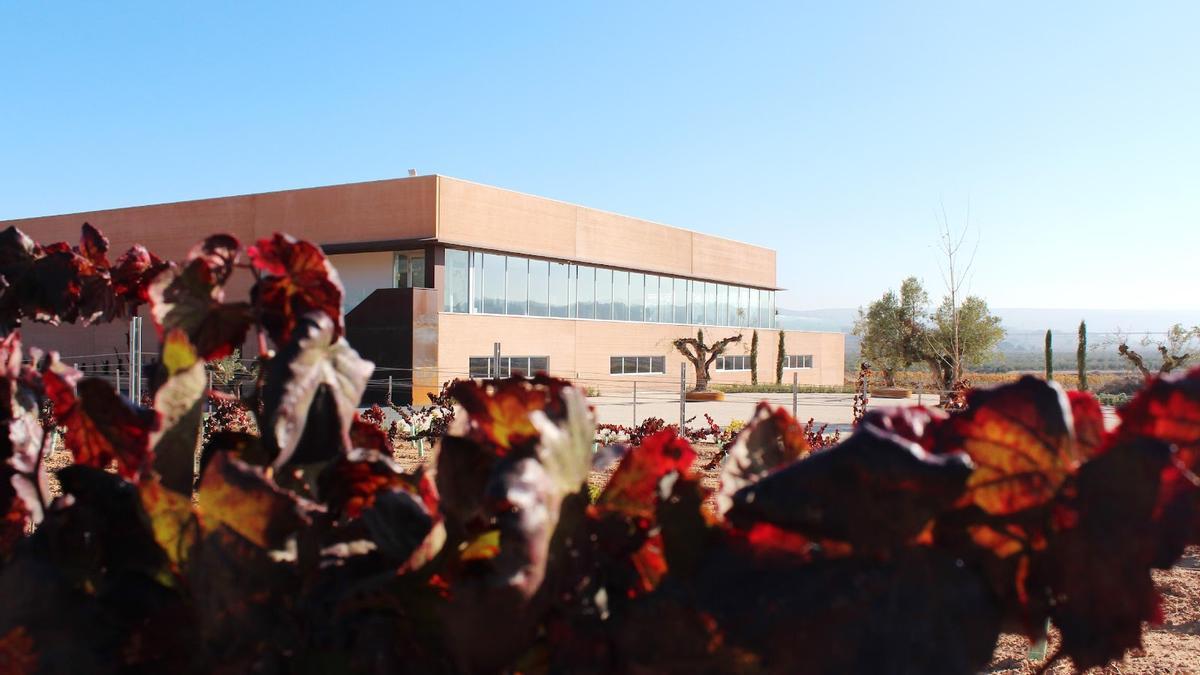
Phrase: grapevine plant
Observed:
(908, 546)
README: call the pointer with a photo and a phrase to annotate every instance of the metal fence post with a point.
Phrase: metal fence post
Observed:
(682, 396)
(795, 396)
(495, 360)
(390, 399)
(635, 403)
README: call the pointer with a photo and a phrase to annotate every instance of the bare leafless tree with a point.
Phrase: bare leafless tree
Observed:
(944, 348)
(1174, 349)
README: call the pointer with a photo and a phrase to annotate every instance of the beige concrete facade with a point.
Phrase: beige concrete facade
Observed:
(361, 225)
(580, 348)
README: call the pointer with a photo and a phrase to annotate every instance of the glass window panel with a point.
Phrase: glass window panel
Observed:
(764, 312)
(771, 309)
(696, 293)
(620, 286)
(493, 283)
(479, 366)
(651, 298)
(586, 281)
(518, 365)
(643, 364)
(476, 282)
(539, 288)
(740, 307)
(401, 271)
(517, 292)
(614, 365)
(680, 300)
(416, 270)
(604, 291)
(559, 289)
(719, 364)
(722, 305)
(637, 296)
(539, 364)
(658, 364)
(752, 308)
(458, 274)
(711, 303)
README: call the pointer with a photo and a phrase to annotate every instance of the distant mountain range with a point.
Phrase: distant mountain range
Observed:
(1026, 327)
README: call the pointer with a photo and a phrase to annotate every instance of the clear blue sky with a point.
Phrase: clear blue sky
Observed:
(828, 132)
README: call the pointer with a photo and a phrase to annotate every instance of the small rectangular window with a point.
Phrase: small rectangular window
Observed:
(620, 296)
(604, 293)
(539, 364)
(681, 301)
(586, 291)
(539, 288)
(798, 361)
(658, 364)
(480, 367)
(517, 292)
(651, 297)
(615, 365)
(458, 273)
(493, 283)
(560, 290)
(637, 296)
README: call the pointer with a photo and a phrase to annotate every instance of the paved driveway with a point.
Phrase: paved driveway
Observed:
(834, 409)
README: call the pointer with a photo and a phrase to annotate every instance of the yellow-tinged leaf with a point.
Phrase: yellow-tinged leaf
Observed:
(1021, 443)
(241, 498)
(171, 518)
(178, 353)
(484, 547)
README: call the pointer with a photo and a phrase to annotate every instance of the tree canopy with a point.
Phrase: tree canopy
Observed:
(899, 330)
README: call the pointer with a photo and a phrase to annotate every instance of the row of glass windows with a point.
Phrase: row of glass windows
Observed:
(490, 283)
(481, 367)
(632, 365)
(743, 362)
(797, 361)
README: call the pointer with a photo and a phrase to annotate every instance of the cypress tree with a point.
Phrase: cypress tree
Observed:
(1081, 356)
(1049, 359)
(779, 360)
(754, 358)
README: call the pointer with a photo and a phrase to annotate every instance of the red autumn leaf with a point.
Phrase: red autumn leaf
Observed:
(192, 300)
(1090, 435)
(369, 436)
(296, 279)
(101, 425)
(772, 439)
(133, 272)
(17, 653)
(1018, 437)
(350, 483)
(93, 246)
(219, 253)
(1169, 410)
(633, 488)
(875, 491)
(499, 411)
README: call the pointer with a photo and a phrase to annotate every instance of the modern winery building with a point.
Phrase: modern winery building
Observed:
(437, 270)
